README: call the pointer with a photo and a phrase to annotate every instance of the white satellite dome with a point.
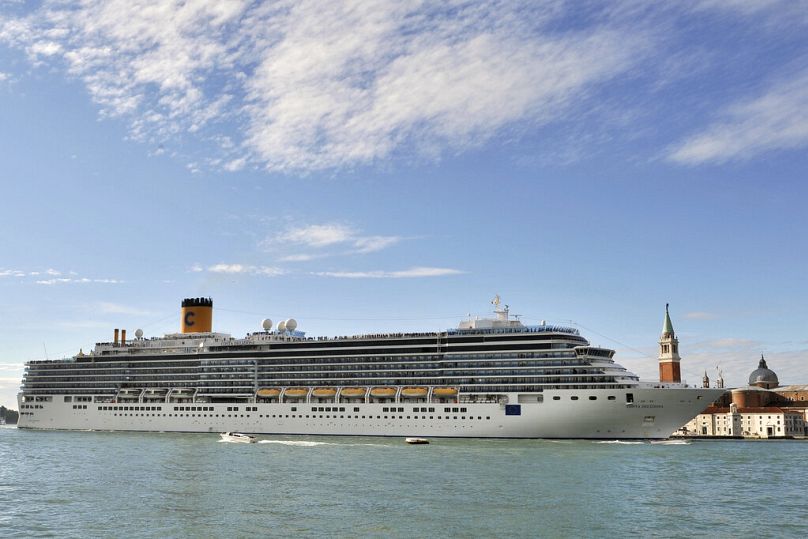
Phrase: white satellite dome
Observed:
(139, 333)
(291, 324)
(281, 326)
(266, 323)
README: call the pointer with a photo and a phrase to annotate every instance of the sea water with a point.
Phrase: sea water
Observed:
(103, 484)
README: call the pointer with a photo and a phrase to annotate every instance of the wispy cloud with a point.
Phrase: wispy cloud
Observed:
(56, 277)
(733, 343)
(315, 84)
(77, 280)
(775, 120)
(245, 269)
(318, 237)
(401, 274)
(700, 315)
(115, 308)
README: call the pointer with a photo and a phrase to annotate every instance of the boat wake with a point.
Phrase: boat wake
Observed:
(621, 442)
(306, 443)
(670, 442)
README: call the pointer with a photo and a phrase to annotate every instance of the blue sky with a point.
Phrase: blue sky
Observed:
(364, 166)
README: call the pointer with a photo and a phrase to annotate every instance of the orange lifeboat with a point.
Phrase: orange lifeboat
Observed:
(444, 392)
(353, 392)
(324, 392)
(414, 392)
(383, 392)
(269, 393)
(296, 392)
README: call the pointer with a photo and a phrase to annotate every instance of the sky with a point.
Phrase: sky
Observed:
(378, 166)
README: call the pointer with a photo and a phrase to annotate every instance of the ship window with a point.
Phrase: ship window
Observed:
(556, 398)
(610, 397)
(629, 397)
(447, 409)
(463, 410)
(385, 409)
(454, 410)
(356, 409)
(68, 399)
(593, 398)
(342, 409)
(294, 408)
(574, 398)
(401, 409)
(431, 409)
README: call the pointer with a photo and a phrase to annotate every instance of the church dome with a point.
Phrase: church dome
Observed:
(763, 376)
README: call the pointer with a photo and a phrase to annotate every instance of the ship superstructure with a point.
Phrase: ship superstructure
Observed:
(489, 377)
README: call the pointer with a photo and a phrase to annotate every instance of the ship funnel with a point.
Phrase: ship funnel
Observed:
(123, 337)
(197, 315)
(115, 339)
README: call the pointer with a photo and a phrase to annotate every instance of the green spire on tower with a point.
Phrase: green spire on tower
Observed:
(667, 327)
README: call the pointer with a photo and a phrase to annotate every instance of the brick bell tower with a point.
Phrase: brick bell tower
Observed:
(669, 353)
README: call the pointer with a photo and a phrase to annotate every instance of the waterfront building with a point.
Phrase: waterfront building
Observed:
(762, 409)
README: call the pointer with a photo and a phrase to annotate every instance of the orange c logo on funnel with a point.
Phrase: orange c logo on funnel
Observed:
(188, 316)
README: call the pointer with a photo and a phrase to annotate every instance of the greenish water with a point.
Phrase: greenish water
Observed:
(90, 484)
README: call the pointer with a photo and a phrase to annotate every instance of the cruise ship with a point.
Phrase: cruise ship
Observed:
(488, 378)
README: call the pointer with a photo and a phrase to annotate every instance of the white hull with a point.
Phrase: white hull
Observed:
(654, 414)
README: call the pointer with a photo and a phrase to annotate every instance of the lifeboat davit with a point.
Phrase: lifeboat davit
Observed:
(445, 392)
(414, 392)
(353, 392)
(324, 392)
(383, 392)
(296, 392)
(268, 392)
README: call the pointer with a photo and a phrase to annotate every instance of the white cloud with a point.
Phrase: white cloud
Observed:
(317, 84)
(299, 258)
(228, 268)
(244, 269)
(115, 308)
(700, 315)
(775, 120)
(236, 164)
(77, 280)
(371, 244)
(402, 274)
(733, 343)
(323, 236)
(55, 277)
(318, 235)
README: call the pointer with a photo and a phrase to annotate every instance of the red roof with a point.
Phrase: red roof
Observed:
(751, 410)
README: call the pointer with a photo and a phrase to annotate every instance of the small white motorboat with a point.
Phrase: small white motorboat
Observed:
(671, 441)
(238, 437)
(416, 441)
